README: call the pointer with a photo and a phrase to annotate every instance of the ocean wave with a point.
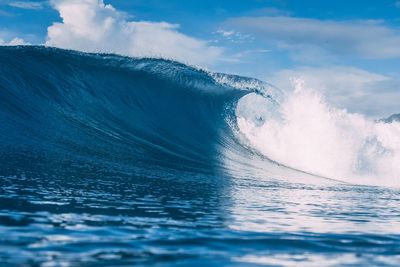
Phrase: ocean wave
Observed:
(144, 114)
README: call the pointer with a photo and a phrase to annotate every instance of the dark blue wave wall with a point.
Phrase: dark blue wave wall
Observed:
(62, 106)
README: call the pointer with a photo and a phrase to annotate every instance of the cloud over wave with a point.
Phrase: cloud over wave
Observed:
(366, 39)
(93, 26)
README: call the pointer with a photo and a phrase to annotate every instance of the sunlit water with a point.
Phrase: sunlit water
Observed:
(194, 220)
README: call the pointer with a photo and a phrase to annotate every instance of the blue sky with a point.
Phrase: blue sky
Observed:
(348, 50)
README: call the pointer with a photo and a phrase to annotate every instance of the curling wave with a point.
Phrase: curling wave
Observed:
(65, 108)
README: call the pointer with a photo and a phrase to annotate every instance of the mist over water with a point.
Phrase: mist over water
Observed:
(108, 160)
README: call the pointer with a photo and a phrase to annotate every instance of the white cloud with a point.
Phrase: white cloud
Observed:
(234, 37)
(27, 5)
(365, 39)
(225, 33)
(92, 26)
(15, 41)
(347, 87)
(338, 77)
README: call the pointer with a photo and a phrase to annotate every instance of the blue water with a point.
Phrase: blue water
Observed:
(109, 161)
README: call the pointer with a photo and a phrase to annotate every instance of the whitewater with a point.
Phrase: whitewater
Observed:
(114, 160)
(308, 134)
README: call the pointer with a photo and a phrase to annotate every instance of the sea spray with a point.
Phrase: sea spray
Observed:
(308, 134)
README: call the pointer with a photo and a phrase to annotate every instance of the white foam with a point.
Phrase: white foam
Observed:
(308, 134)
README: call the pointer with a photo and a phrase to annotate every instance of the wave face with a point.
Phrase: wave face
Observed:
(134, 113)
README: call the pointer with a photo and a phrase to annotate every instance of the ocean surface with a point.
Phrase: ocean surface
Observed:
(113, 161)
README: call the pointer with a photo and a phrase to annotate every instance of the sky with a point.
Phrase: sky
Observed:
(347, 50)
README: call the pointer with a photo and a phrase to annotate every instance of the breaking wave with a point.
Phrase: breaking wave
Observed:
(66, 108)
